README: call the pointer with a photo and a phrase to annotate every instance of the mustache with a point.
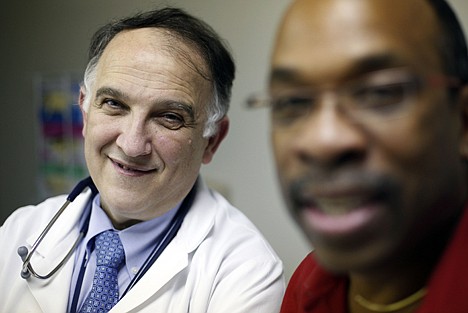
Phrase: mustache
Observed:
(320, 182)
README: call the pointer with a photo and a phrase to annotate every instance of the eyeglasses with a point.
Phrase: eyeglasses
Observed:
(379, 96)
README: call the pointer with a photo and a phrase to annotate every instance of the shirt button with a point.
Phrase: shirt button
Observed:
(134, 270)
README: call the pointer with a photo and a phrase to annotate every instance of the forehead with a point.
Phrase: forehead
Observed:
(154, 41)
(153, 59)
(327, 37)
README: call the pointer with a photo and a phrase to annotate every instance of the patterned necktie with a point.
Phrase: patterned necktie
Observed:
(110, 256)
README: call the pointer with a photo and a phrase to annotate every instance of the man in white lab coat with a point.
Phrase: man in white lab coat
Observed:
(154, 103)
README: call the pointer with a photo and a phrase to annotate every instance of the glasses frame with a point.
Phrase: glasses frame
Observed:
(265, 99)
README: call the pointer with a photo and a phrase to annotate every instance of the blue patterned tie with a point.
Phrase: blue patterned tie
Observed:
(109, 257)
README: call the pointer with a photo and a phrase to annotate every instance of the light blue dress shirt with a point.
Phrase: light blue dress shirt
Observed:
(138, 241)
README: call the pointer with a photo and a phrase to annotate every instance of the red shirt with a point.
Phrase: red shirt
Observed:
(314, 290)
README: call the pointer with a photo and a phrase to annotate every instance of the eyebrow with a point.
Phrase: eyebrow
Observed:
(115, 93)
(291, 75)
(108, 91)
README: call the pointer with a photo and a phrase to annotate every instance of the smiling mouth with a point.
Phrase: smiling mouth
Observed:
(344, 208)
(340, 217)
(131, 169)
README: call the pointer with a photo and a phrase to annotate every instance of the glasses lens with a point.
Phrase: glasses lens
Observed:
(382, 100)
(289, 106)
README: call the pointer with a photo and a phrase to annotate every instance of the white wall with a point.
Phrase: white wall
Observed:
(53, 35)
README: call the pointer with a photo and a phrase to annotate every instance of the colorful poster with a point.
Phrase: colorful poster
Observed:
(60, 142)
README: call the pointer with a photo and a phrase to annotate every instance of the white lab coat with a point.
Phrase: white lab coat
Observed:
(218, 262)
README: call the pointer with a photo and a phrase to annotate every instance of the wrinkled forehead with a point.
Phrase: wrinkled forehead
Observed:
(317, 34)
(151, 41)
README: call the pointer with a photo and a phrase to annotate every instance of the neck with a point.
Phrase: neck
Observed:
(398, 285)
(388, 290)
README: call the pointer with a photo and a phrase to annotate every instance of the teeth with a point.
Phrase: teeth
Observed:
(339, 206)
(126, 167)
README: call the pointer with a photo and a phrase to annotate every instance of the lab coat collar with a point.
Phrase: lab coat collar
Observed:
(174, 259)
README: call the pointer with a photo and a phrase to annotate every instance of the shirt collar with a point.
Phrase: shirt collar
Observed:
(138, 240)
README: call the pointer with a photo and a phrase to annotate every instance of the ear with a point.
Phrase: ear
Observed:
(215, 140)
(84, 114)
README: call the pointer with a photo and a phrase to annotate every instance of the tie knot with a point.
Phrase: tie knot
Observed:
(109, 249)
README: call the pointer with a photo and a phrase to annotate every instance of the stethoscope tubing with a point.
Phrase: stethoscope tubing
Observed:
(26, 255)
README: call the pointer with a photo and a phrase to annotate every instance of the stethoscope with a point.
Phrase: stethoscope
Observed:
(169, 233)
(26, 255)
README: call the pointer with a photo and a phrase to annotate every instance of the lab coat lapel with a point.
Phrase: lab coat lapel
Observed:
(175, 258)
(50, 253)
(54, 298)
(171, 262)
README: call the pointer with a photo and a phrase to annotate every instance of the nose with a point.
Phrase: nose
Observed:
(134, 138)
(330, 138)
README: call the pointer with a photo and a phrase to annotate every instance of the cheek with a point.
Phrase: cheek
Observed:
(422, 154)
(282, 154)
(278, 148)
(99, 133)
(175, 151)
(282, 142)
(425, 143)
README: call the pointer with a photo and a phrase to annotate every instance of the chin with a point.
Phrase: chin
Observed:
(338, 263)
(117, 202)
(357, 260)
